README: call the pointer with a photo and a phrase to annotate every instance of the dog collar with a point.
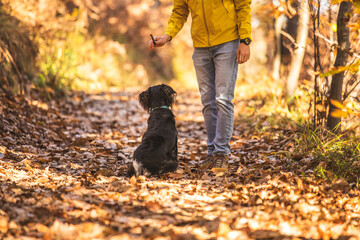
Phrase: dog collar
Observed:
(167, 107)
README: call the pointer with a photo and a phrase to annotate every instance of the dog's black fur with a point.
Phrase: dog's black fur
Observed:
(157, 152)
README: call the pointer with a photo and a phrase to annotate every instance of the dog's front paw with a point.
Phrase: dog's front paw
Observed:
(139, 169)
(130, 170)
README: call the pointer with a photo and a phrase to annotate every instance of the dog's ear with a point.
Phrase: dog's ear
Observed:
(144, 100)
(169, 94)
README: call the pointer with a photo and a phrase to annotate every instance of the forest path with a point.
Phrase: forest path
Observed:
(63, 167)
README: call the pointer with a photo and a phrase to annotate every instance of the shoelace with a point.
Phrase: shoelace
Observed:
(219, 159)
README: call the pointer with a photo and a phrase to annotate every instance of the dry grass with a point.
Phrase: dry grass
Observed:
(17, 54)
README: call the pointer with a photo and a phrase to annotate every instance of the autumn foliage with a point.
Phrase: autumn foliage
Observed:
(63, 168)
(70, 75)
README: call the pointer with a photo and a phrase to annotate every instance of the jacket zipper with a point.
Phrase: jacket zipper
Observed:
(206, 26)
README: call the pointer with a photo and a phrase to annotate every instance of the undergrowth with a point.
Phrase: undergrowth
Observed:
(330, 156)
(333, 156)
(17, 54)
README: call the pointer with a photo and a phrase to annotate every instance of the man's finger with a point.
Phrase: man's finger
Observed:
(158, 43)
(245, 58)
(150, 44)
(157, 39)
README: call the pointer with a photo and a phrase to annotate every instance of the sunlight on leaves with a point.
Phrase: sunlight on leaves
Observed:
(337, 104)
(333, 27)
(353, 68)
(342, 111)
(339, 1)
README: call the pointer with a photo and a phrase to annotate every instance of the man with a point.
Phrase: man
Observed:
(221, 34)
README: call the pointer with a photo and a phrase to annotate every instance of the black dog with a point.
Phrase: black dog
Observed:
(157, 152)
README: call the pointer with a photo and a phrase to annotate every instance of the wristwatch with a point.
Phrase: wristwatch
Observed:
(247, 41)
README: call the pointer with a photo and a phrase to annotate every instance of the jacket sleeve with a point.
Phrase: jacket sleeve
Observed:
(178, 17)
(242, 8)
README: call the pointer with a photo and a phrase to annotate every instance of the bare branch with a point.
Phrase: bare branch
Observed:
(334, 44)
(354, 87)
(290, 38)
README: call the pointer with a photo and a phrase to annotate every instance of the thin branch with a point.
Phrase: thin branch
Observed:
(318, 45)
(334, 44)
(290, 38)
(313, 17)
(289, 47)
(9, 58)
(348, 93)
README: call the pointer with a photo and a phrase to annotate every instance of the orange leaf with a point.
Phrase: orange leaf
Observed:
(337, 113)
(320, 108)
(224, 229)
(337, 104)
(315, 72)
(133, 180)
(153, 206)
(338, 1)
(176, 175)
(28, 167)
(4, 224)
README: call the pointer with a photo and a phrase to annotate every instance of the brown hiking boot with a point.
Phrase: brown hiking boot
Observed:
(221, 163)
(207, 163)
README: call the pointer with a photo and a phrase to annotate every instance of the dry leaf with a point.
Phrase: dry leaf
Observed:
(337, 104)
(176, 175)
(4, 224)
(28, 167)
(153, 206)
(223, 230)
(133, 180)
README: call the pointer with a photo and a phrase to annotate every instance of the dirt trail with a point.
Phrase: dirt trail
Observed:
(63, 176)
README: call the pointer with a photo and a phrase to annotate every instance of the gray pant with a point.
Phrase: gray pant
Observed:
(216, 71)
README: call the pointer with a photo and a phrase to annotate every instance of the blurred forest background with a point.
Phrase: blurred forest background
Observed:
(96, 44)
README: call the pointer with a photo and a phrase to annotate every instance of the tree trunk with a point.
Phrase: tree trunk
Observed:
(298, 56)
(279, 22)
(334, 123)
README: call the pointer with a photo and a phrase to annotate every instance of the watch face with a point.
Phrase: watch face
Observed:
(247, 41)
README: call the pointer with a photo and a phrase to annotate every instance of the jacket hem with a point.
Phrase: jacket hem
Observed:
(214, 43)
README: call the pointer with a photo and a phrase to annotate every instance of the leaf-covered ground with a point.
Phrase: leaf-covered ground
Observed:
(63, 176)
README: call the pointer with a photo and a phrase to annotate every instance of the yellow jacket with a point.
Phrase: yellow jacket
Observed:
(213, 21)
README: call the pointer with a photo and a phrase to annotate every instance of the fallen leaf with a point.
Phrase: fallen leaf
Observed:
(223, 230)
(176, 175)
(153, 206)
(4, 224)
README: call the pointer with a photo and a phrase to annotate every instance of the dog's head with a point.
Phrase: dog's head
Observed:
(157, 96)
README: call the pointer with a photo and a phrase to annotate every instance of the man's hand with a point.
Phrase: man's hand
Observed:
(242, 53)
(159, 40)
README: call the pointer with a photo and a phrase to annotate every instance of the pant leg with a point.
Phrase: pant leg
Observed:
(205, 74)
(226, 69)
